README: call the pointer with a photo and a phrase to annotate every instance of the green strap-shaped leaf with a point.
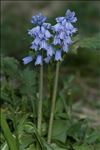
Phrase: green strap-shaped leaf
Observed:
(7, 133)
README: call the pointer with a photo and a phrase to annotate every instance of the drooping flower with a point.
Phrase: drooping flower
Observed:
(47, 59)
(57, 40)
(38, 60)
(70, 29)
(70, 16)
(65, 47)
(50, 51)
(47, 25)
(27, 59)
(43, 44)
(34, 46)
(34, 31)
(58, 55)
(38, 19)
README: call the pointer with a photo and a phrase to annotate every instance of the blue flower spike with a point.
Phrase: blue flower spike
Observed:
(41, 35)
(64, 30)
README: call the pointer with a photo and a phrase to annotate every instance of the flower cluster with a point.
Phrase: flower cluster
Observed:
(41, 35)
(63, 31)
(42, 44)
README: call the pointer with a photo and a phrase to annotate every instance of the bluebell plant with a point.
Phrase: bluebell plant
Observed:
(50, 43)
(63, 31)
(42, 52)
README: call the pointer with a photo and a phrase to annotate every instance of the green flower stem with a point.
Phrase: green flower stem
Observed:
(39, 123)
(40, 100)
(49, 79)
(49, 73)
(53, 103)
(7, 133)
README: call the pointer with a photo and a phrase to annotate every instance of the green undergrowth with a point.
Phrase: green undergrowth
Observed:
(19, 96)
